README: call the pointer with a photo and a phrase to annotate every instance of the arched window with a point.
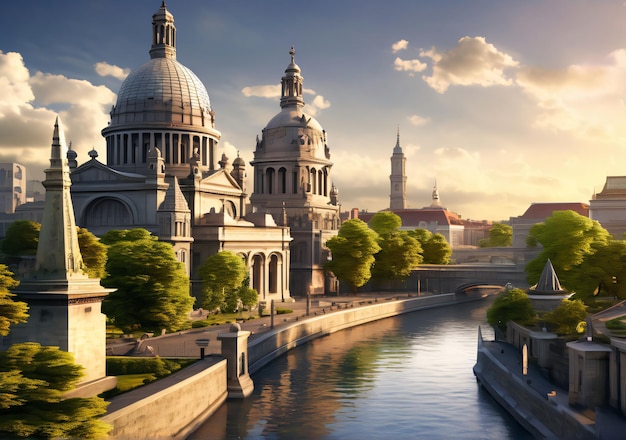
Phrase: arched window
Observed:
(273, 274)
(282, 180)
(269, 175)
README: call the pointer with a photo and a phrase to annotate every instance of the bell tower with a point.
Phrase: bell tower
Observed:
(397, 197)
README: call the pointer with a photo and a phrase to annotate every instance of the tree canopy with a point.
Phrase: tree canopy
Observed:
(152, 286)
(511, 305)
(33, 379)
(22, 238)
(353, 250)
(567, 238)
(11, 311)
(222, 275)
(94, 253)
(436, 250)
(399, 254)
(602, 272)
(567, 316)
(500, 235)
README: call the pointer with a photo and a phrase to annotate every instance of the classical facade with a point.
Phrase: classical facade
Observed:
(163, 173)
(609, 206)
(292, 183)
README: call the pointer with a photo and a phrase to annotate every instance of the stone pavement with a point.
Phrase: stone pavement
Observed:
(183, 344)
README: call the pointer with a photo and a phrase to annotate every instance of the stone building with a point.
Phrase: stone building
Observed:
(609, 206)
(163, 172)
(292, 183)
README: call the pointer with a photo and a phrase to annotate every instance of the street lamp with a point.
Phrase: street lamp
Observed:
(202, 343)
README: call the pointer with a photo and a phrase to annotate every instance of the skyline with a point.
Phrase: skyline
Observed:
(501, 104)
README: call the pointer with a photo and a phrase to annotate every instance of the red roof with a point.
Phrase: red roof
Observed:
(413, 217)
(545, 210)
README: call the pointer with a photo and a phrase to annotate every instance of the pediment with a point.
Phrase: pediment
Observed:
(221, 181)
(94, 171)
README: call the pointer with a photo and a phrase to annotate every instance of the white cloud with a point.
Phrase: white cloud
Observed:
(418, 120)
(472, 62)
(399, 45)
(105, 69)
(30, 105)
(411, 66)
(265, 91)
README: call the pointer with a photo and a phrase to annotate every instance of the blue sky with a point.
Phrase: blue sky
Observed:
(502, 103)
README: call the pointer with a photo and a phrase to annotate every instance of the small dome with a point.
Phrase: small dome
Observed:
(161, 90)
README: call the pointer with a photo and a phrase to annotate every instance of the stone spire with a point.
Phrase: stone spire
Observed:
(163, 34)
(58, 254)
(291, 84)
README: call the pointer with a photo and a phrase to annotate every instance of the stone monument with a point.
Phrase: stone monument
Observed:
(64, 303)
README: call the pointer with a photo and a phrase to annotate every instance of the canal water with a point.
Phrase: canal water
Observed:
(408, 377)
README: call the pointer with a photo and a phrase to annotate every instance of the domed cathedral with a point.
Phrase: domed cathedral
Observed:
(163, 173)
(292, 182)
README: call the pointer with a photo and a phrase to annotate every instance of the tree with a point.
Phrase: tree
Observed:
(222, 274)
(152, 286)
(602, 272)
(567, 238)
(33, 379)
(94, 253)
(353, 250)
(511, 305)
(399, 253)
(499, 235)
(11, 311)
(436, 250)
(566, 317)
(22, 238)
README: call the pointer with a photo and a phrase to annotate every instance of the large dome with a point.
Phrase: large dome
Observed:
(161, 90)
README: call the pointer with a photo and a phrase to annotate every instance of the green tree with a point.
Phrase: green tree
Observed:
(22, 238)
(567, 238)
(399, 253)
(436, 250)
(33, 379)
(500, 235)
(511, 305)
(94, 253)
(222, 274)
(152, 286)
(11, 311)
(353, 250)
(566, 317)
(602, 272)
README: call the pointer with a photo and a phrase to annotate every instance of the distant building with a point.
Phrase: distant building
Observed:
(537, 213)
(435, 218)
(609, 206)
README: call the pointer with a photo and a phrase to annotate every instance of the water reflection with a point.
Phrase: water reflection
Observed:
(404, 377)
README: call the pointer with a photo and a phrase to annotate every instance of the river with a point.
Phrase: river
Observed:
(408, 377)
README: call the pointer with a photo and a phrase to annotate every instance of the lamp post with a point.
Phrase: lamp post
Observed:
(202, 343)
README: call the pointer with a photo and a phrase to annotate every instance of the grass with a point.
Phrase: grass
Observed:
(617, 326)
(129, 382)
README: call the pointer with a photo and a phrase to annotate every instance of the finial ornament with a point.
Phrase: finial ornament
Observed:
(292, 52)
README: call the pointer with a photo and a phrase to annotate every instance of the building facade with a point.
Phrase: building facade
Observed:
(163, 173)
(292, 183)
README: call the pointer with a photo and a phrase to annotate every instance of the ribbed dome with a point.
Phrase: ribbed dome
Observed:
(162, 90)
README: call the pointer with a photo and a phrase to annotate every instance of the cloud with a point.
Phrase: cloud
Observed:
(418, 120)
(30, 105)
(265, 91)
(585, 100)
(399, 45)
(105, 69)
(411, 66)
(472, 62)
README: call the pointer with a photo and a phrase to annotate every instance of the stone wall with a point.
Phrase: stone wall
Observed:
(171, 407)
(273, 343)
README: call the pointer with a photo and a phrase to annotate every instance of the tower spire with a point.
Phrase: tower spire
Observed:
(58, 253)
(397, 197)
(291, 84)
(163, 34)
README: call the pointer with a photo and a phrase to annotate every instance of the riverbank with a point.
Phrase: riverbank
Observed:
(536, 403)
(265, 345)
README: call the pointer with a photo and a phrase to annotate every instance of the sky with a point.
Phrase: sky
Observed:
(500, 103)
